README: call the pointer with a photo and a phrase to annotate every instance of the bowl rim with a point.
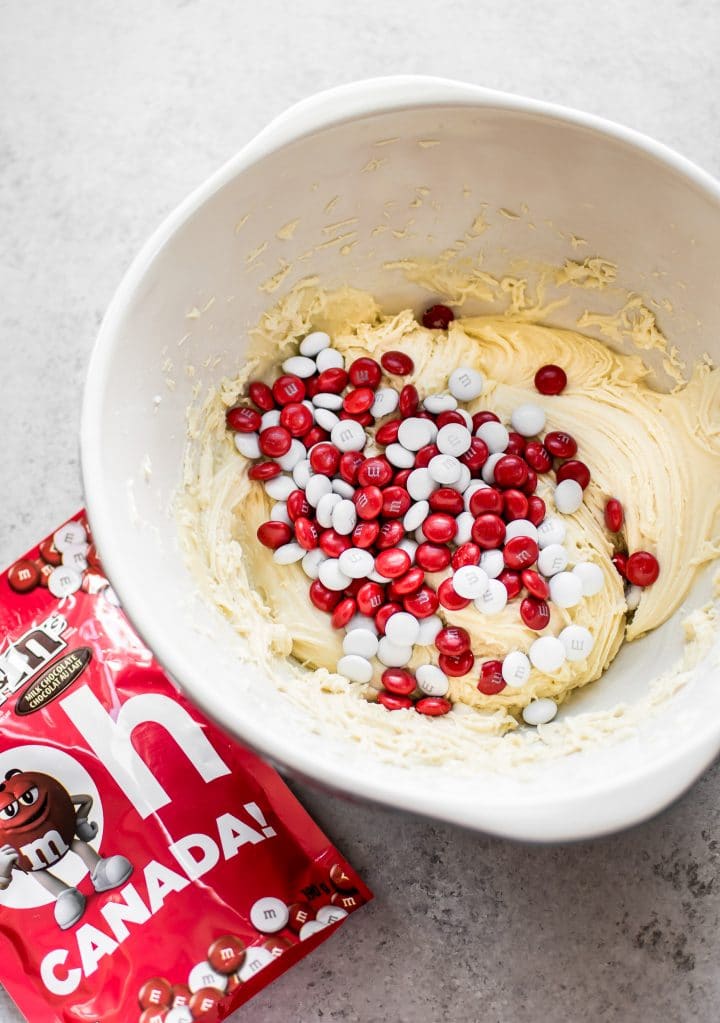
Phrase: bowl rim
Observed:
(550, 821)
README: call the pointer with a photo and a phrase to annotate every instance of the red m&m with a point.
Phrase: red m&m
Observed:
(226, 954)
(551, 379)
(438, 317)
(397, 363)
(642, 568)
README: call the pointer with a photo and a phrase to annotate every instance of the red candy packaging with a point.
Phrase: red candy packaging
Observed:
(151, 868)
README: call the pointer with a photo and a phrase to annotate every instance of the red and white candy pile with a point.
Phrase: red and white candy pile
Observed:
(67, 563)
(376, 490)
(229, 963)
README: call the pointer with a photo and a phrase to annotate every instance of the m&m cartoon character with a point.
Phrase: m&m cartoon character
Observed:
(40, 823)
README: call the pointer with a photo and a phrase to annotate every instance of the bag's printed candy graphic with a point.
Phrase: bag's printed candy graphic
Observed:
(150, 868)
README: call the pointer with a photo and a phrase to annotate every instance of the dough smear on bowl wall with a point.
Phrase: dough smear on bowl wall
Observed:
(573, 517)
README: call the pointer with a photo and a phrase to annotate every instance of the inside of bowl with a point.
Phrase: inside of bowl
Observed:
(512, 191)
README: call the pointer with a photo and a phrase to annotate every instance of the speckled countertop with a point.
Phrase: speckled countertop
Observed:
(110, 114)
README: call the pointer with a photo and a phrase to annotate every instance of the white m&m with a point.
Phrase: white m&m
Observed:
(326, 418)
(72, 534)
(331, 575)
(488, 470)
(565, 589)
(203, 975)
(179, 1014)
(465, 521)
(578, 642)
(568, 496)
(551, 530)
(330, 915)
(270, 418)
(356, 563)
(415, 433)
(471, 489)
(329, 358)
(492, 563)
(591, 577)
(410, 547)
(344, 517)
(314, 343)
(516, 669)
(528, 420)
(399, 456)
(343, 488)
(437, 403)
(432, 680)
(64, 580)
(317, 487)
(301, 473)
(362, 642)
(416, 514)
(386, 401)
(539, 712)
(453, 439)
(355, 667)
(402, 628)
(445, 469)
(312, 561)
(331, 402)
(324, 509)
(347, 435)
(279, 513)
(465, 384)
(257, 959)
(470, 581)
(293, 457)
(288, 554)
(300, 366)
(495, 436)
(420, 485)
(269, 915)
(248, 444)
(547, 654)
(429, 628)
(393, 655)
(307, 930)
(464, 480)
(520, 527)
(493, 598)
(552, 559)
(75, 557)
(361, 621)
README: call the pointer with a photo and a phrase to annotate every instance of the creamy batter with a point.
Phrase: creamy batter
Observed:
(658, 453)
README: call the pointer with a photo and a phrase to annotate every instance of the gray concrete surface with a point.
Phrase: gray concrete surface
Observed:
(109, 114)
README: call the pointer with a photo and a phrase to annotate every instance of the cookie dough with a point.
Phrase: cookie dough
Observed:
(658, 453)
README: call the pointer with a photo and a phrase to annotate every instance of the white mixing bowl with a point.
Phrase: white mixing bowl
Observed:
(193, 292)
